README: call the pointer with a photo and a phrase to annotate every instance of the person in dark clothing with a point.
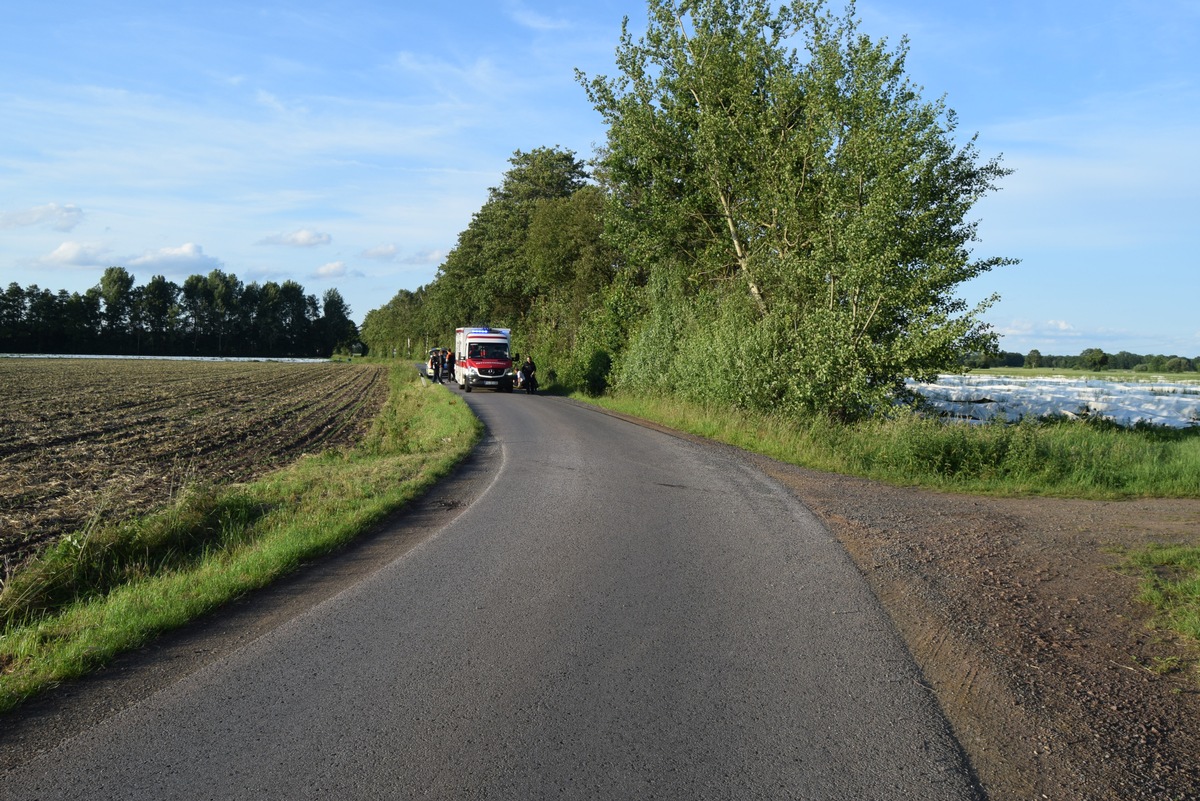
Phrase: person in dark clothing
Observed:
(529, 375)
(435, 366)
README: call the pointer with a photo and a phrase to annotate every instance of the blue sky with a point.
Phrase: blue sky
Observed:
(347, 144)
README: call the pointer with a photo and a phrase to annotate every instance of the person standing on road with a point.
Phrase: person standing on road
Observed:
(450, 364)
(435, 366)
(529, 375)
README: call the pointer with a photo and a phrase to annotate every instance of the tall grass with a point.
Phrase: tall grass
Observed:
(1081, 459)
(101, 592)
(1171, 584)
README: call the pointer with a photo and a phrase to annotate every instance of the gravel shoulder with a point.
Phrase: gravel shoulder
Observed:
(1027, 630)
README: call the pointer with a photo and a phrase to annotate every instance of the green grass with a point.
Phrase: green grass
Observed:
(101, 592)
(1103, 375)
(1061, 458)
(1171, 585)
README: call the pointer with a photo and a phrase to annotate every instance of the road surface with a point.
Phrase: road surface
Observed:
(615, 614)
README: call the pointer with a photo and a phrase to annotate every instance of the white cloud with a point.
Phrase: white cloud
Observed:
(425, 257)
(304, 238)
(334, 269)
(382, 253)
(187, 258)
(391, 253)
(270, 101)
(77, 254)
(60, 218)
(264, 98)
(482, 77)
(528, 18)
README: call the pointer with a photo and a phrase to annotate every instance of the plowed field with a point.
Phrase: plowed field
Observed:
(86, 440)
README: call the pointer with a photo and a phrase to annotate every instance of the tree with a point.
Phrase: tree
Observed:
(337, 331)
(395, 329)
(14, 327)
(565, 247)
(159, 312)
(79, 320)
(224, 294)
(803, 212)
(486, 278)
(116, 289)
(267, 329)
(1033, 358)
(196, 303)
(1093, 359)
(297, 314)
(1124, 360)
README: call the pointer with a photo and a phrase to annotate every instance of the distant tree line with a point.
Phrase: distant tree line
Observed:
(209, 315)
(1089, 359)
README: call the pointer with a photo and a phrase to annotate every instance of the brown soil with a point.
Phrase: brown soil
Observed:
(1028, 630)
(90, 441)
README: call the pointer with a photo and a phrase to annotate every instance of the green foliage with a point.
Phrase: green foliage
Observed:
(533, 258)
(772, 227)
(1093, 359)
(823, 190)
(93, 562)
(399, 327)
(1067, 458)
(1171, 584)
(336, 332)
(210, 315)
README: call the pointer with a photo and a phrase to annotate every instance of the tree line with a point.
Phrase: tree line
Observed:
(777, 220)
(209, 315)
(1090, 359)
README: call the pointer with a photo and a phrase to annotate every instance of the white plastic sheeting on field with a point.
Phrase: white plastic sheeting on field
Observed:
(984, 397)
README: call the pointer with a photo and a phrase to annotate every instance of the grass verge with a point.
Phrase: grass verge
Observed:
(101, 592)
(1064, 458)
(1171, 585)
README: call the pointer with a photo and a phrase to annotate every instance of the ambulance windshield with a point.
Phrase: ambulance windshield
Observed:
(488, 350)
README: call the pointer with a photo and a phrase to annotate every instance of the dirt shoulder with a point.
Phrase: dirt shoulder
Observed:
(1026, 629)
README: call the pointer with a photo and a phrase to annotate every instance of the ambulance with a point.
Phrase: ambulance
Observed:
(482, 359)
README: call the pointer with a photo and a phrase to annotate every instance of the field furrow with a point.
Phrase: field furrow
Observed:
(85, 440)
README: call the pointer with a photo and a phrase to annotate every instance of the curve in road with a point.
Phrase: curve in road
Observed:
(619, 613)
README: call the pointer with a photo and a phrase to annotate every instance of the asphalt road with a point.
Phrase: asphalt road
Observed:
(615, 614)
